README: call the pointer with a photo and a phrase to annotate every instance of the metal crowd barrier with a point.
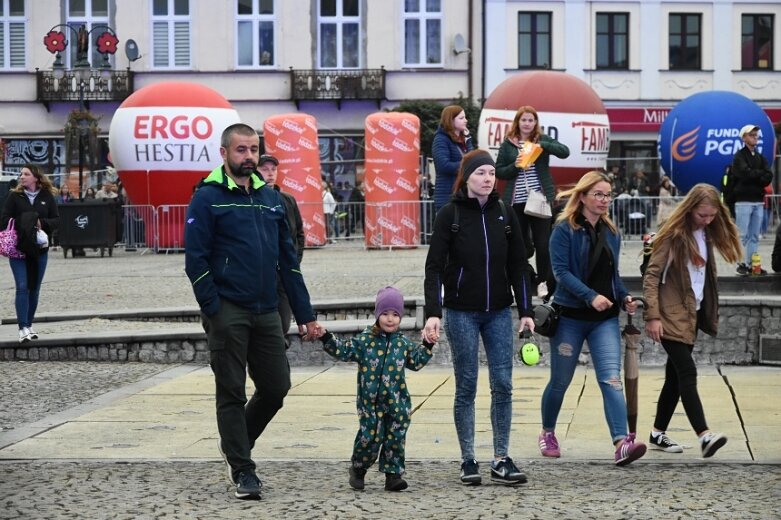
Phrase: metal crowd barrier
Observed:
(162, 228)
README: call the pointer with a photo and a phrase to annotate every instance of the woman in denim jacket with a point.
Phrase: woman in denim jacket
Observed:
(589, 291)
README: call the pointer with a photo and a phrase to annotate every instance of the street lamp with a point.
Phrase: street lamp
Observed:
(82, 76)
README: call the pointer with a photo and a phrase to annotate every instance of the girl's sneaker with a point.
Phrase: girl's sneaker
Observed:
(504, 471)
(24, 335)
(711, 442)
(549, 445)
(664, 443)
(628, 450)
(470, 473)
(33, 334)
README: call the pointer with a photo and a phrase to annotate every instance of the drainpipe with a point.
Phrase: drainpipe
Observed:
(482, 56)
(469, 46)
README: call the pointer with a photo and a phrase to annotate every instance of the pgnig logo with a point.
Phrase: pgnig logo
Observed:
(718, 141)
(82, 221)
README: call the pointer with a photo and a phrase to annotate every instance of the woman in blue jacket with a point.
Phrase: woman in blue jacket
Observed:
(451, 142)
(585, 247)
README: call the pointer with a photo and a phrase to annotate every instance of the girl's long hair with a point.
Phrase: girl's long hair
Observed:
(679, 227)
(43, 181)
(574, 207)
(515, 128)
(449, 113)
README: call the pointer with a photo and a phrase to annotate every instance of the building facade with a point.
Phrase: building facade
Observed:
(341, 60)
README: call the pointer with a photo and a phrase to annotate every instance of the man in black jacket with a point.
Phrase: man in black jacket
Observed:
(751, 174)
(268, 170)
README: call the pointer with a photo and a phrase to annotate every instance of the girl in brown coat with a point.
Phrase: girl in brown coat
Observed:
(681, 292)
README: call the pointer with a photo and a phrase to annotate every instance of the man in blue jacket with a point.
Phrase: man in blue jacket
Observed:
(236, 235)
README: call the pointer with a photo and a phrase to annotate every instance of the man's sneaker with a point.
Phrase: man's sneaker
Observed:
(628, 450)
(664, 443)
(743, 270)
(227, 464)
(248, 486)
(24, 335)
(34, 335)
(504, 471)
(711, 442)
(356, 477)
(394, 482)
(549, 445)
(542, 289)
(470, 473)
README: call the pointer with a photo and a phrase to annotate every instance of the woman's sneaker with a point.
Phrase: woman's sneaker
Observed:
(248, 486)
(470, 473)
(504, 471)
(664, 443)
(24, 335)
(628, 450)
(711, 442)
(549, 445)
(33, 334)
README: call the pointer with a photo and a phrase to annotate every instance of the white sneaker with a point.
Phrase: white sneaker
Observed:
(24, 335)
(542, 290)
(32, 333)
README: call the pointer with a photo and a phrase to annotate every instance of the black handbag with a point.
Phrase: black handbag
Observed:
(546, 319)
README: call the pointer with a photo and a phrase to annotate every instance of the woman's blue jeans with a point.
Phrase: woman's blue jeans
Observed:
(464, 328)
(604, 342)
(26, 299)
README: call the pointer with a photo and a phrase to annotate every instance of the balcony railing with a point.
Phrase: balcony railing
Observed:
(111, 85)
(338, 85)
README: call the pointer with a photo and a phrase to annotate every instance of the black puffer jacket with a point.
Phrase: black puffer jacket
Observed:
(480, 266)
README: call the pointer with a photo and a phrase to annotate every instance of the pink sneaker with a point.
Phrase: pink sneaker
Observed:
(549, 445)
(628, 450)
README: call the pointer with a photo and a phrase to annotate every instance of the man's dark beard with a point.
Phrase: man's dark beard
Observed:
(242, 170)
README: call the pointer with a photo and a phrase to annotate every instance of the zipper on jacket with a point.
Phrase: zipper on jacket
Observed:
(487, 264)
(458, 282)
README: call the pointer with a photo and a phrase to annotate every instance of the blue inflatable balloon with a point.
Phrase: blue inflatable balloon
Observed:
(701, 134)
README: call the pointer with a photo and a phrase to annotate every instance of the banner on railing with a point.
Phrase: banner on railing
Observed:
(292, 139)
(391, 182)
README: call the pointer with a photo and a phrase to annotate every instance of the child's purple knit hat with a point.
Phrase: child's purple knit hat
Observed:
(389, 299)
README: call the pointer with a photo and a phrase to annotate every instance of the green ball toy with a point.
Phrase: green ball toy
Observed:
(529, 354)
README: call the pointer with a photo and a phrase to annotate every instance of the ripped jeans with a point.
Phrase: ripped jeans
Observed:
(604, 342)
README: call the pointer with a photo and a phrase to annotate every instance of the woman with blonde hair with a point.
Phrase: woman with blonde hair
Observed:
(585, 248)
(534, 177)
(681, 293)
(451, 142)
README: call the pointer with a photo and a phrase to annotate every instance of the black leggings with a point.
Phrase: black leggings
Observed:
(680, 381)
(536, 236)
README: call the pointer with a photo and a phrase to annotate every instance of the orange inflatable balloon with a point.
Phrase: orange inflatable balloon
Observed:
(292, 139)
(391, 182)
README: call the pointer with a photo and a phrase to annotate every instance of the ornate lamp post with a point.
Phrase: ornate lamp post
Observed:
(81, 125)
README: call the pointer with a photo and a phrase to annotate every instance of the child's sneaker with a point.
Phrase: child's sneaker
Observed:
(549, 445)
(711, 442)
(504, 471)
(470, 473)
(664, 443)
(394, 482)
(356, 477)
(628, 450)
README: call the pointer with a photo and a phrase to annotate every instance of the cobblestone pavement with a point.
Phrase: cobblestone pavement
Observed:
(316, 489)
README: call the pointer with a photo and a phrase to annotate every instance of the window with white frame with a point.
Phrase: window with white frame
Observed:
(255, 33)
(422, 32)
(12, 34)
(339, 34)
(171, 34)
(90, 14)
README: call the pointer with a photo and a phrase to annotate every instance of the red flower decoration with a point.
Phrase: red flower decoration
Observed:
(55, 41)
(107, 43)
